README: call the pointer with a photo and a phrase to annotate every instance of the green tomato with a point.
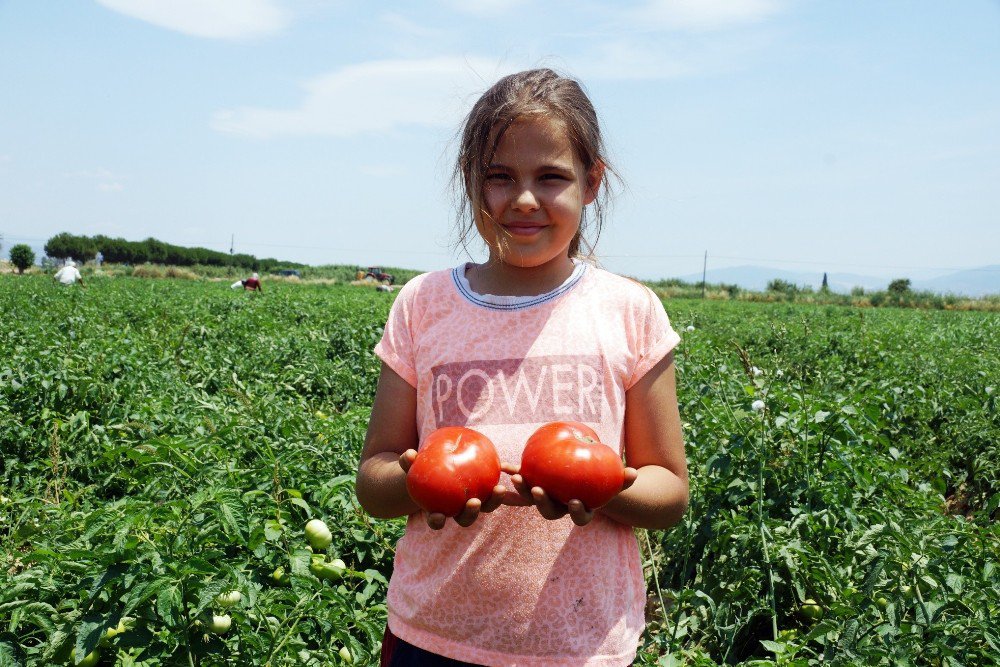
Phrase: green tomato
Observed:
(113, 632)
(220, 624)
(811, 610)
(279, 577)
(331, 571)
(228, 599)
(88, 660)
(345, 655)
(318, 535)
(882, 602)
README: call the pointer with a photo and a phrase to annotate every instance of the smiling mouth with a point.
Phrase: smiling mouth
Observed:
(524, 230)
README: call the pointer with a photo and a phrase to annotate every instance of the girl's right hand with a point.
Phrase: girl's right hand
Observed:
(473, 507)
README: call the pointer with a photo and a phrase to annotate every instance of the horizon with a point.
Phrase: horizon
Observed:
(799, 136)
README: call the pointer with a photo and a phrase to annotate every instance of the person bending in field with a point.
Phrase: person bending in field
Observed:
(252, 283)
(69, 274)
(537, 333)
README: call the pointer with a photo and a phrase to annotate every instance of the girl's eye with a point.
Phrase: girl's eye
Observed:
(557, 177)
(497, 177)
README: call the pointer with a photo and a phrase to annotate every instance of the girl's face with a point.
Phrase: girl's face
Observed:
(535, 191)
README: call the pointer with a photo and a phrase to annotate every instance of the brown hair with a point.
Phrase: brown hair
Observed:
(540, 92)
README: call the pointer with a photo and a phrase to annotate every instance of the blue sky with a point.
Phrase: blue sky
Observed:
(804, 135)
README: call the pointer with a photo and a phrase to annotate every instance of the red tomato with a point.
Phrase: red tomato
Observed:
(454, 465)
(568, 461)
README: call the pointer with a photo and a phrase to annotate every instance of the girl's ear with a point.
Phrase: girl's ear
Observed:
(594, 178)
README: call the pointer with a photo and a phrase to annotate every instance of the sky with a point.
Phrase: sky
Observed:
(797, 134)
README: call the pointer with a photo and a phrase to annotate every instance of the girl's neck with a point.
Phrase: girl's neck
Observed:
(501, 279)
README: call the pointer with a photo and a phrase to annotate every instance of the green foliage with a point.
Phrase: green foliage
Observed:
(162, 442)
(899, 286)
(783, 287)
(120, 251)
(22, 256)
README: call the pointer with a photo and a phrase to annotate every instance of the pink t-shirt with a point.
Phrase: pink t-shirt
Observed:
(514, 588)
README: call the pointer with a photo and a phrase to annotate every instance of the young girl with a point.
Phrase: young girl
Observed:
(531, 336)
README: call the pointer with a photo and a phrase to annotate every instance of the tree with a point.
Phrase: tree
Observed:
(779, 285)
(825, 287)
(899, 286)
(22, 256)
(65, 245)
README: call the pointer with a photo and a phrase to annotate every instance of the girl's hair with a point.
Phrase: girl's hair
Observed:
(537, 92)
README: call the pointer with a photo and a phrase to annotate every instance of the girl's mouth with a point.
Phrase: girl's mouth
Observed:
(524, 230)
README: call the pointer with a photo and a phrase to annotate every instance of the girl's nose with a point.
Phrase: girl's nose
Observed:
(525, 200)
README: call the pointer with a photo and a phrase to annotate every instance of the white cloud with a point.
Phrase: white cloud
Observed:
(703, 14)
(216, 19)
(373, 97)
(110, 187)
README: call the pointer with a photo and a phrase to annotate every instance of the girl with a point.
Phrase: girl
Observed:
(532, 335)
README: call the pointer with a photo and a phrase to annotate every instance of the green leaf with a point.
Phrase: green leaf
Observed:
(88, 632)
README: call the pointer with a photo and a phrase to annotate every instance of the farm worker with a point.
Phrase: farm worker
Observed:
(69, 274)
(252, 283)
(535, 334)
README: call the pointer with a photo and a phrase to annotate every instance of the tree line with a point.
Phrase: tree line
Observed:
(153, 251)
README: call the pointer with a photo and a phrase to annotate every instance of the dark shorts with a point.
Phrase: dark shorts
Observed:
(398, 653)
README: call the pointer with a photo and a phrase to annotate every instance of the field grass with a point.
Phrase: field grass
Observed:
(166, 440)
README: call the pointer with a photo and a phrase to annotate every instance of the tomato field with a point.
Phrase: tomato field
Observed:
(164, 443)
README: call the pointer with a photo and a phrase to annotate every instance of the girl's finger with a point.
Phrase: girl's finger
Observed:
(406, 459)
(631, 474)
(495, 500)
(436, 520)
(469, 515)
(509, 468)
(579, 513)
(547, 507)
(522, 488)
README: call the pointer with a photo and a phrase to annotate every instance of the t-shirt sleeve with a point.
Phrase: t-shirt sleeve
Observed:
(655, 338)
(396, 346)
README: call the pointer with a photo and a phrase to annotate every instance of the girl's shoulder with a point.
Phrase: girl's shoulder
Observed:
(620, 289)
(425, 284)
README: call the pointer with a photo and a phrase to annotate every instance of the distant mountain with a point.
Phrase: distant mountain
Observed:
(970, 282)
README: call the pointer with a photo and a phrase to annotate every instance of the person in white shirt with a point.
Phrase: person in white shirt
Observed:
(69, 274)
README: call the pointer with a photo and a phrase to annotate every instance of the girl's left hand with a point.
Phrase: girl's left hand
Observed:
(552, 509)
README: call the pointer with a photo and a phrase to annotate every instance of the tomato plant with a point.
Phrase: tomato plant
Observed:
(454, 464)
(568, 461)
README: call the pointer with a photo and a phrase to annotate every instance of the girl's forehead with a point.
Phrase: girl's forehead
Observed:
(534, 133)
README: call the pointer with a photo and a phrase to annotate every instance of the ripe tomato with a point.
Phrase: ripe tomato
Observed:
(568, 460)
(454, 465)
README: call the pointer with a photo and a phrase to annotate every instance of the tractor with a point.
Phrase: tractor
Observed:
(378, 274)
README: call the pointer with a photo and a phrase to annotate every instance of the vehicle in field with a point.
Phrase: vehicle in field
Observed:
(378, 274)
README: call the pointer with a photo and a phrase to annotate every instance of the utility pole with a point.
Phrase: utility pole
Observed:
(704, 270)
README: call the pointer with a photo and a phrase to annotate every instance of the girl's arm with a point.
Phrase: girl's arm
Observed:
(654, 447)
(392, 433)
